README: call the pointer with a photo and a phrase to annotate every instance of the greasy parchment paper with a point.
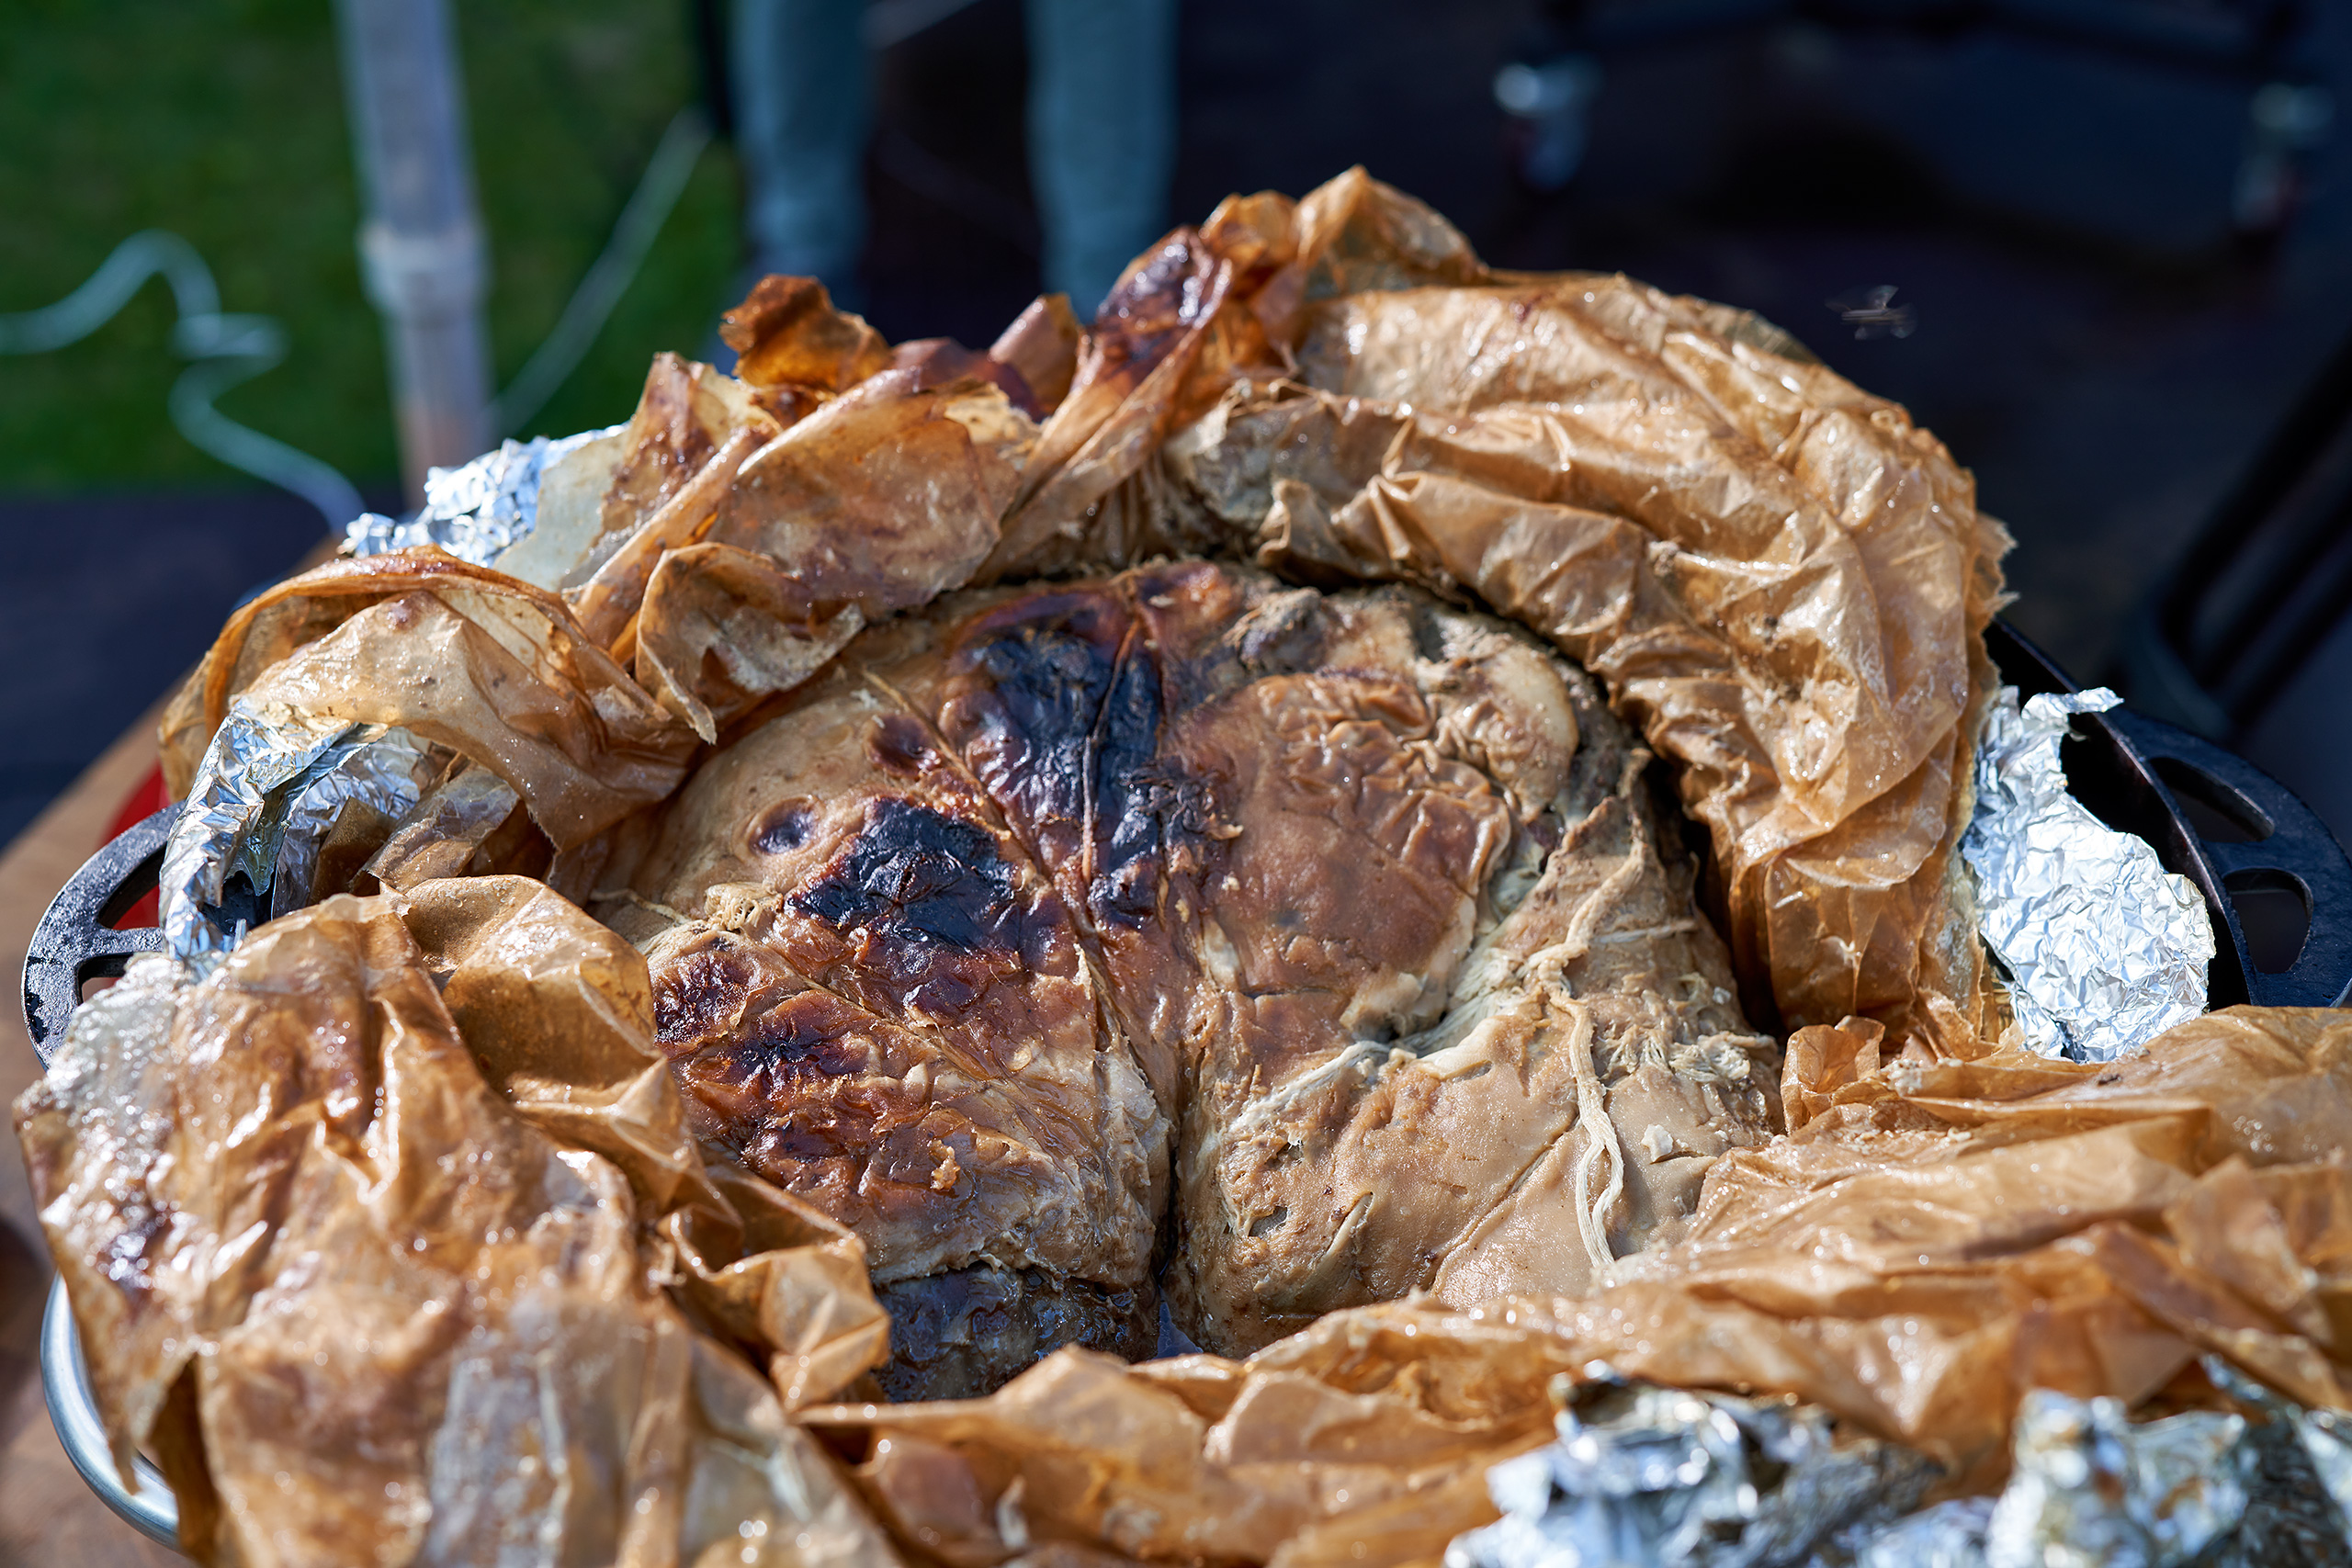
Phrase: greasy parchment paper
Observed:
(310, 1238)
(1940, 1240)
(1778, 578)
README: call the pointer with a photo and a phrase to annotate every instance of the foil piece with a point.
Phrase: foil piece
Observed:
(266, 790)
(384, 768)
(478, 510)
(273, 781)
(2103, 947)
(2327, 1441)
(2090, 1487)
(2323, 1437)
(1649, 1476)
(257, 751)
(1950, 1535)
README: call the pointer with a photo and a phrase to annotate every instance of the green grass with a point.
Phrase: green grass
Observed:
(223, 122)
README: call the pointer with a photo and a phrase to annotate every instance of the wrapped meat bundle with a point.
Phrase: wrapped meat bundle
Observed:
(1363, 896)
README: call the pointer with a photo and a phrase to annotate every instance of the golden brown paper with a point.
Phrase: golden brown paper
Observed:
(346, 1259)
(493, 668)
(2091, 1229)
(878, 501)
(686, 412)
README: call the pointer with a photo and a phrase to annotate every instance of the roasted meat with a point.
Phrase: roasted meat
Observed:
(887, 1010)
(1362, 897)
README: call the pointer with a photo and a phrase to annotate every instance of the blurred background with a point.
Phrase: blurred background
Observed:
(2103, 248)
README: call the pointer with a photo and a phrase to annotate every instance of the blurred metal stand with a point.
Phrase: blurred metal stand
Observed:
(421, 251)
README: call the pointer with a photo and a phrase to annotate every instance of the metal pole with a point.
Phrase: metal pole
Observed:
(421, 251)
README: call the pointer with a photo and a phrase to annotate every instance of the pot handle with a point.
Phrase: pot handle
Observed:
(76, 940)
(2280, 845)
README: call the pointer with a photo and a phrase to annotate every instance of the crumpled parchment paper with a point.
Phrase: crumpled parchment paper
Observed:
(307, 1234)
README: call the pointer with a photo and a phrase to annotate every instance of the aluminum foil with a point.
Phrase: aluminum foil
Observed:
(1950, 1535)
(271, 783)
(2104, 948)
(388, 769)
(1649, 1476)
(2324, 1437)
(2090, 1486)
(476, 511)
(266, 793)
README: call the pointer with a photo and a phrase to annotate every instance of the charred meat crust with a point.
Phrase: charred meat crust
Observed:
(961, 1334)
(919, 877)
(1056, 704)
(1053, 871)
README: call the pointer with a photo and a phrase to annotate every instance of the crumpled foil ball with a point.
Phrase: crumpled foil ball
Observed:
(1657, 1476)
(2104, 948)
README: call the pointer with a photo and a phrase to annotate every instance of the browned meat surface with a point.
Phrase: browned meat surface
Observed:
(886, 1010)
(1361, 896)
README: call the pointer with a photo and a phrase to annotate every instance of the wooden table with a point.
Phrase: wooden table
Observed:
(47, 1516)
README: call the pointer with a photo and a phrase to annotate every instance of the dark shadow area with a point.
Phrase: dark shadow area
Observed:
(2276, 911)
(2218, 812)
(106, 602)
